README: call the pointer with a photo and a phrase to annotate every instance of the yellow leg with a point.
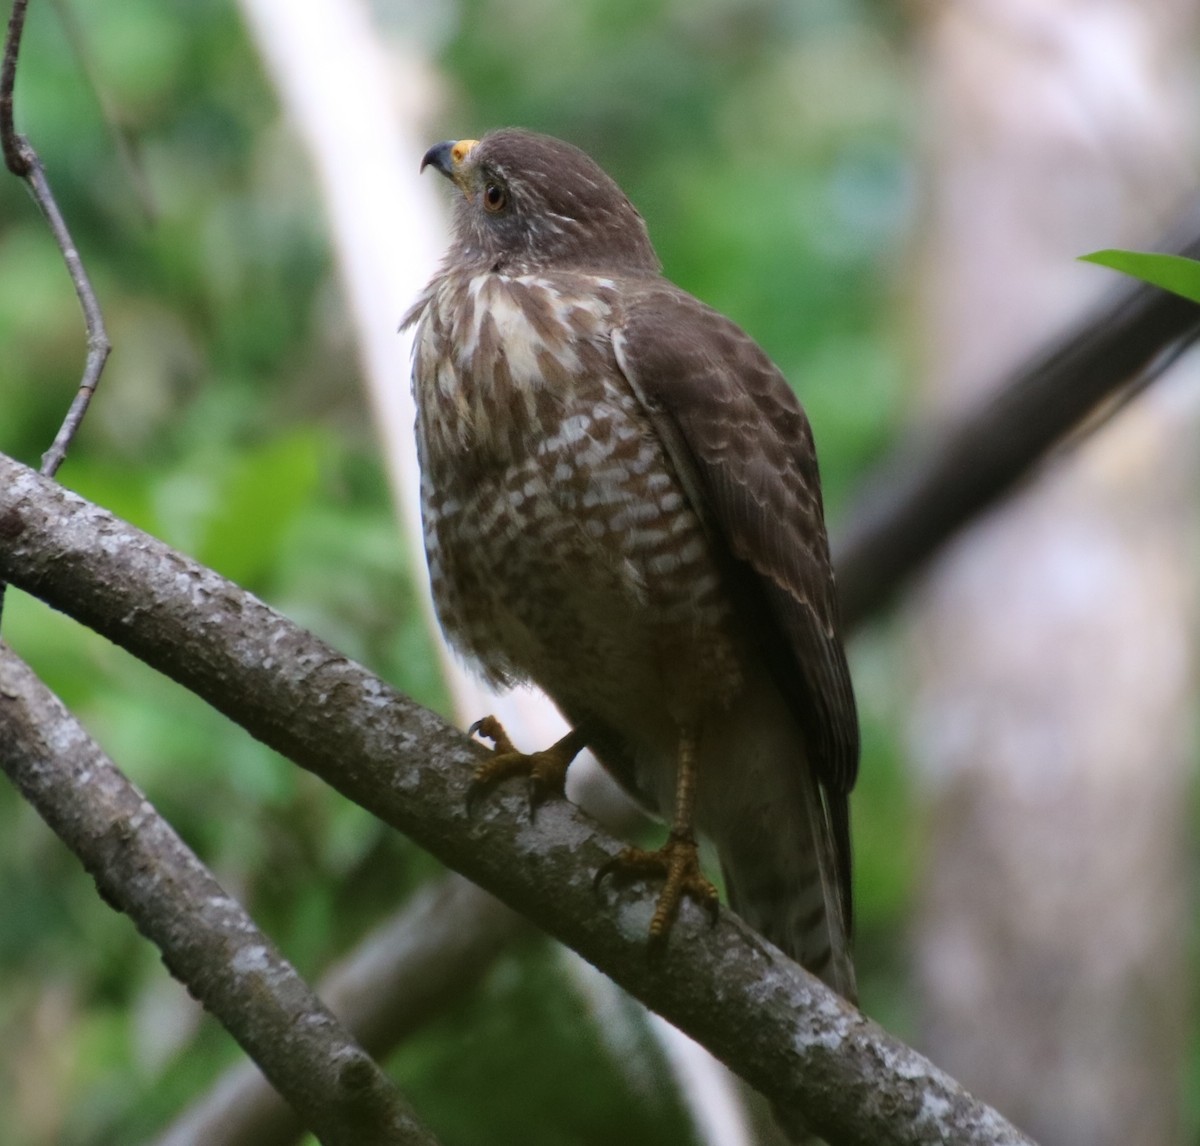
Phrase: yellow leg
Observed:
(677, 862)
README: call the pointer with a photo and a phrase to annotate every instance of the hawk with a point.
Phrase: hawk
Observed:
(621, 504)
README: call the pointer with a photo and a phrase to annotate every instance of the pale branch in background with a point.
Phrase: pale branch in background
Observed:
(781, 1029)
(361, 100)
(208, 942)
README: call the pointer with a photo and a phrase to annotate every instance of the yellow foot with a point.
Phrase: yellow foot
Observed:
(678, 862)
(546, 771)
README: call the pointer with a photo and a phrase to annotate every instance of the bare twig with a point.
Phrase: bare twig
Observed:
(208, 941)
(97, 337)
(408, 970)
(777, 1026)
(11, 144)
(22, 160)
(928, 490)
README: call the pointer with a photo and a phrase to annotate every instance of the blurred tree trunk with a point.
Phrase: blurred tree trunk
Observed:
(1054, 671)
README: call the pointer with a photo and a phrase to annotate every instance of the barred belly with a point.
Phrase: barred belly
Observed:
(571, 563)
(562, 548)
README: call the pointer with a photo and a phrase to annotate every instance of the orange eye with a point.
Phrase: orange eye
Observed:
(494, 198)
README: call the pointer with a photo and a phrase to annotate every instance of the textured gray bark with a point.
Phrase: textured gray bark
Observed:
(208, 942)
(407, 971)
(777, 1026)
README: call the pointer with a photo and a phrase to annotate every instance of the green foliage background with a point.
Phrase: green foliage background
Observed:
(766, 143)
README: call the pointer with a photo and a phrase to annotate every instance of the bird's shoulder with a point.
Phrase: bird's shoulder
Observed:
(742, 421)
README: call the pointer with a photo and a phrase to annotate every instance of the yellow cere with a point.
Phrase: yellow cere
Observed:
(462, 149)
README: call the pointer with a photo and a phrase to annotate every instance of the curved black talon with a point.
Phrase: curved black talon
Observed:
(612, 867)
(489, 728)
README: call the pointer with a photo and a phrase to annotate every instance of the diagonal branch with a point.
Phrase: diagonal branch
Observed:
(932, 488)
(208, 941)
(409, 969)
(777, 1026)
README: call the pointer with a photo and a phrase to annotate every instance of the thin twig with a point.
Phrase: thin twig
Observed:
(207, 940)
(11, 143)
(785, 1032)
(98, 345)
(23, 161)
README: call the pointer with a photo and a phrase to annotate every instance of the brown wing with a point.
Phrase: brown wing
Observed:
(744, 451)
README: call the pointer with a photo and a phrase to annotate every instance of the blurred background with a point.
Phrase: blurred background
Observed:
(890, 198)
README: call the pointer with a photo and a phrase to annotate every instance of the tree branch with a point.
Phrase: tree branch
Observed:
(209, 943)
(928, 491)
(10, 141)
(23, 161)
(408, 970)
(777, 1026)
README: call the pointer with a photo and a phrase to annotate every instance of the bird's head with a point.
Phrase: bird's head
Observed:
(531, 202)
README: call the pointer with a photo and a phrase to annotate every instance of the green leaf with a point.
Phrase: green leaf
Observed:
(1171, 272)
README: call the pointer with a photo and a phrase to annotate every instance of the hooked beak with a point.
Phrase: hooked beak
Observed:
(448, 157)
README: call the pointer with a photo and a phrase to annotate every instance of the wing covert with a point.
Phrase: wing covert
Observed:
(744, 451)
